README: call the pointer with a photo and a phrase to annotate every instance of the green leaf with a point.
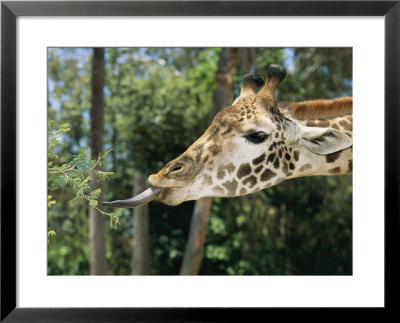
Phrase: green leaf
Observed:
(93, 203)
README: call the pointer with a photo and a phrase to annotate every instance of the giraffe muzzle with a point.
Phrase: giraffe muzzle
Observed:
(176, 174)
(143, 198)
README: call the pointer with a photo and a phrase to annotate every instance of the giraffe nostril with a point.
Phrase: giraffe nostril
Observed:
(176, 169)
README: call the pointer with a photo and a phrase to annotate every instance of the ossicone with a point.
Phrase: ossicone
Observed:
(276, 72)
(250, 84)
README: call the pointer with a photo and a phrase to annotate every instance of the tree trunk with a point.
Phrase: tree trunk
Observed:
(227, 65)
(140, 251)
(195, 245)
(98, 262)
(247, 59)
(223, 96)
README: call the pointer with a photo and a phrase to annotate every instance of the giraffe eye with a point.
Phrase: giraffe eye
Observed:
(257, 137)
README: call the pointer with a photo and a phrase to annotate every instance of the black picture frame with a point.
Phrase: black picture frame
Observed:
(10, 10)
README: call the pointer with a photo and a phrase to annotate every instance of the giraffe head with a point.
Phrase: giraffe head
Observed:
(249, 146)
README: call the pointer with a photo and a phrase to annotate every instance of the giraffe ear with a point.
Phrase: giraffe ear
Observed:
(324, 141)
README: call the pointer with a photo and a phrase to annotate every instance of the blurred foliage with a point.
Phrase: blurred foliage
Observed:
(75, 173)
(157, 102)
(71, 176)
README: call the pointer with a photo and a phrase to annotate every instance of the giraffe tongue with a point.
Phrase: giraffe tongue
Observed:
(143, 198)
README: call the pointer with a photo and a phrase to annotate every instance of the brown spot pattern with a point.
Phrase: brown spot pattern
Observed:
(230, 186)
(213, 132)
(259, 159)
(252, 180)
(221, 172)
(258, 169)
(244, 170)
(198, 157)
(226, 131)
(271, 158)
(335, 126)
(207, 181)
(276, 163)
(222, 168)
(267, 175)
(213, 149)
(330, 158)
(230, 167)
(335, 170)
(347, 126)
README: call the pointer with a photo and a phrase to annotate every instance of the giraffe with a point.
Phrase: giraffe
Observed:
(255, 144)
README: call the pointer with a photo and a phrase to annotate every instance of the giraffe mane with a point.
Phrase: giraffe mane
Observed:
(320, 109)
